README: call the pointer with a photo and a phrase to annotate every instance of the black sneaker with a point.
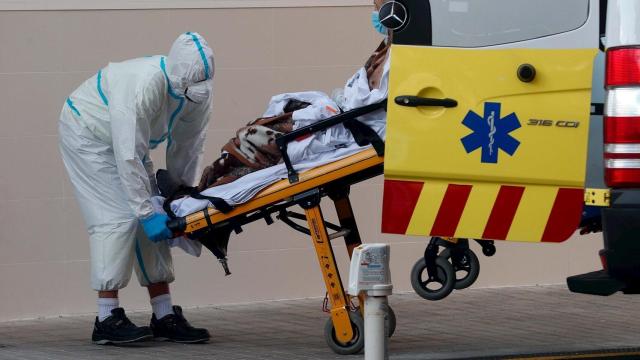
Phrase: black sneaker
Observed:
(118, 329)
(174, 327)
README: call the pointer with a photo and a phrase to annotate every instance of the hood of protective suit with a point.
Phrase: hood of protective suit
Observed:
(190, 62)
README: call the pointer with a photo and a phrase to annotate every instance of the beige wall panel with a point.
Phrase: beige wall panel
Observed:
(30, 42)
(241, 95)
(90, 41)
(170, 4)
(240, 38)
(32, 231)
(266, 274)
(30, 289)
(76, 298)
(18, 91)
(32, 168)
(260, 52)
(341, 36)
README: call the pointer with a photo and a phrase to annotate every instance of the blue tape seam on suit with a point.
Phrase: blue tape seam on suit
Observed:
(104, 98)
(175, 113)
(73, 108)
(202, 54)
(141, 262)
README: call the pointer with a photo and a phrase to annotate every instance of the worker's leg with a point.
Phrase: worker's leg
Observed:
(112, 256)
(153, 263)
(160, 298)
(154, 269)
(158, 289)
(109, 221)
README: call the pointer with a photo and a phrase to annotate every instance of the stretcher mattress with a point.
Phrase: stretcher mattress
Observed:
(246, 188)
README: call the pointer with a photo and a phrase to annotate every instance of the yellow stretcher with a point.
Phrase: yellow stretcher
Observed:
(333, 180)
(344, 330)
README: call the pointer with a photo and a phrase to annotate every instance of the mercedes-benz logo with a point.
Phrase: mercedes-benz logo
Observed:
(393, 15)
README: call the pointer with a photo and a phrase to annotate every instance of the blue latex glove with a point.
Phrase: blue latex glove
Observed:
(155, 226)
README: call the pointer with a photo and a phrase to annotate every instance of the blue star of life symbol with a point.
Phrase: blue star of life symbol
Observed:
(491, 133)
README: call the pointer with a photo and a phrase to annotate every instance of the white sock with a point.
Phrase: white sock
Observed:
(162, 305)
(105, 305)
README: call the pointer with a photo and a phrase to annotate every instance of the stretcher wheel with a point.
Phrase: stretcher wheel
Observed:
(466, 269)
(352, 347)
(438, 286)
(391, 321)
(489, 250)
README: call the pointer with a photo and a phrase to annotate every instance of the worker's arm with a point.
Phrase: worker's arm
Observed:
(131, 110)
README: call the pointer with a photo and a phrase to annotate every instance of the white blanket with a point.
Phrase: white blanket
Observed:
(320, 149)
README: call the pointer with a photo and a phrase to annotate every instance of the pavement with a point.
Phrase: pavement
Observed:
(470, 324)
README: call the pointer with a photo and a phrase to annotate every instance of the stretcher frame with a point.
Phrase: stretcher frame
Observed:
(306, 190)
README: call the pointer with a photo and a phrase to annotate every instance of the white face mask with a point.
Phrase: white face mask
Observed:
(199, 93)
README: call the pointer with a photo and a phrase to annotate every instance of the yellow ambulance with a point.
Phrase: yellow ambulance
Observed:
(495, 110)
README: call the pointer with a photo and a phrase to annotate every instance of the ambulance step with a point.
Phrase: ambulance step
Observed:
(595, 283)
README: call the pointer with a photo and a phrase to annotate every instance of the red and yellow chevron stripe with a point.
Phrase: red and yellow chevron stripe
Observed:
(532, 213)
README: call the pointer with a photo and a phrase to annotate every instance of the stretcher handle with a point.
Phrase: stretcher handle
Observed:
(284, 140)
(416, 101)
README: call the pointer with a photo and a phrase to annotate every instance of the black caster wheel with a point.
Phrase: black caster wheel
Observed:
(352, 347)
(439, 286)
(489, 250)
(391, 321)
(466, 269)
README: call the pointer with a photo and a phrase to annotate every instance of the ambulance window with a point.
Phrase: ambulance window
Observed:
(476, 23)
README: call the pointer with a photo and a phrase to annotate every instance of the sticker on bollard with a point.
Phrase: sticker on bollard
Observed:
(369, 270)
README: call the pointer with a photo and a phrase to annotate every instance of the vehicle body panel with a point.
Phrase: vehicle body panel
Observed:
(509, 161)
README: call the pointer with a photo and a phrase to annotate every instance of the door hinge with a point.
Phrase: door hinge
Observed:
(597, 197)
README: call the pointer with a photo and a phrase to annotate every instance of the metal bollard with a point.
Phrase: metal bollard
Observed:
(376, 340)
(370, 275)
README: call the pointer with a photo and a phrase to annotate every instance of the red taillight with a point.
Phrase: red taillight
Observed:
(622, 178)
(623, 67)
(622, 118)
(621, 130)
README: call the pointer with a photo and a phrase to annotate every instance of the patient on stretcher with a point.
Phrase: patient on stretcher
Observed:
(254, 147)
(251, 161)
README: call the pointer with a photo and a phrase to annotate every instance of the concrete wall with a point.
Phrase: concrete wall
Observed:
(44, 253)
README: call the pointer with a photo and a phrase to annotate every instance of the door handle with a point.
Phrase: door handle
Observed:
(416, 101)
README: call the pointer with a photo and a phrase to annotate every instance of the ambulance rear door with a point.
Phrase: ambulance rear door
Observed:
(488, 117)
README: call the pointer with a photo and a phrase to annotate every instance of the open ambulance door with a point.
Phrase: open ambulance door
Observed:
(488, 117)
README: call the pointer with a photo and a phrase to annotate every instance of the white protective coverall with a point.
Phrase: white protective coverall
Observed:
(107, 128)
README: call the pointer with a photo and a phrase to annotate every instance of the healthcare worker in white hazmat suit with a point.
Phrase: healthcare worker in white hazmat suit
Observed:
(107, 128)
